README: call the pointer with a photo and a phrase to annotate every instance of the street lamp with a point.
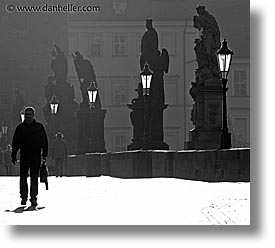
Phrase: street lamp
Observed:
(96, 121)
(92, 94)
(4, 128)
(146, 77)
(54, 103)
(224, 59)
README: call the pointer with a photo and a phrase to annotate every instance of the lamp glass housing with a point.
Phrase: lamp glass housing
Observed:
(5, 129)
(54, 105)
(146, 77)
(92, 93)
(224, 59)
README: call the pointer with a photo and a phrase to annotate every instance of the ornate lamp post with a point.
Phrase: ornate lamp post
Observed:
(146, 77)
(92, 94)
(97, 115)
(224, 58)
(54, 104)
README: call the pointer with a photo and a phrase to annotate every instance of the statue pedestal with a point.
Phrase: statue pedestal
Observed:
(206, 116)
(97, 143)
(155, 135)
(156, 128)
(83, 130)
(137, 118)
(90, 130)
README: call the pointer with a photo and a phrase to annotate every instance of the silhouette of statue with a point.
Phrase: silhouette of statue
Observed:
(50, 88)
(207, 46)
(158, 62)
(201, 56)
(59, 65)
(210, 29)
(86, 75)
(206, 114)
(149, 41)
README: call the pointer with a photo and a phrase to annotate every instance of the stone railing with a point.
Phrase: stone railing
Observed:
(206, 165)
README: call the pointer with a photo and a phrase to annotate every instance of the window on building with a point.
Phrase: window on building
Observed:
(119, 142)
(19, 34)
(119, 44)
(120, 7)
(171, 91)
(95, 45)
(168, 41)
(120, 92)
(240, 83)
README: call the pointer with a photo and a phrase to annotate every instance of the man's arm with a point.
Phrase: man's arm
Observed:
(15, 144)
(44, 142)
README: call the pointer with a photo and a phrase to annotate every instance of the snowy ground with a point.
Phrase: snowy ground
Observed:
(112, 201)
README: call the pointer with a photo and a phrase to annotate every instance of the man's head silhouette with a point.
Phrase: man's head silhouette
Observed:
(29, 114)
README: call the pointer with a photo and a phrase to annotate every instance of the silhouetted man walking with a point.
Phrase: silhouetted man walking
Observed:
(31, 138)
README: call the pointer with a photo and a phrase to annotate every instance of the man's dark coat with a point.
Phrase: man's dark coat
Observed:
(30, 139)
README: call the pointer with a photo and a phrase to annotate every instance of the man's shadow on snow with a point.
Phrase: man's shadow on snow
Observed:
(22, 209)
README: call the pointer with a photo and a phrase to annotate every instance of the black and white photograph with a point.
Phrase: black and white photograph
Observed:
(129, 113)
(138, 111)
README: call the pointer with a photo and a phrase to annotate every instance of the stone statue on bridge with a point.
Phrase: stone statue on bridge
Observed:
(86, 75)
(158, 63)
(206, 90)
(64, 120)
(207, 46)
(59, 65)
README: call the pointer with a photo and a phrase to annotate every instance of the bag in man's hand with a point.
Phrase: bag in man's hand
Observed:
(44, 174)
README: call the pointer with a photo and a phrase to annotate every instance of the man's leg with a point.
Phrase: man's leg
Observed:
(24, 168)
(34, 173)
